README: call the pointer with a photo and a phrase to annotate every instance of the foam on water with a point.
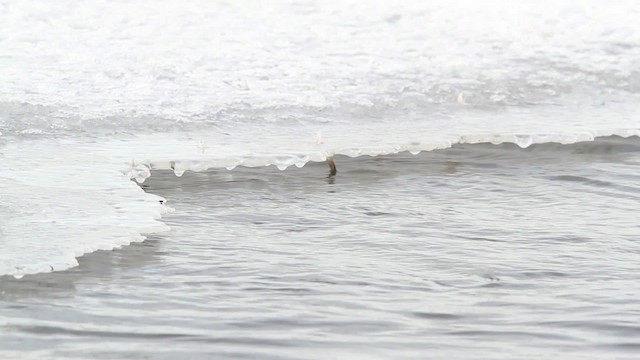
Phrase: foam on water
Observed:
(97, 93)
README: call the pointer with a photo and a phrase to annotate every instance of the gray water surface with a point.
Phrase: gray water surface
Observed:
(478, 251)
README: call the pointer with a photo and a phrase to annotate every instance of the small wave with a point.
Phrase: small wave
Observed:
(201, 162)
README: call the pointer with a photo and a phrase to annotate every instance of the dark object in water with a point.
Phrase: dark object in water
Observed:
(332, 166)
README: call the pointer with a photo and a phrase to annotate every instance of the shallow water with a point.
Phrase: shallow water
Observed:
(478, 251)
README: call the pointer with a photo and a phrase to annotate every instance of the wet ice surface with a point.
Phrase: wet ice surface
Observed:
(141, 66)
(478, 251)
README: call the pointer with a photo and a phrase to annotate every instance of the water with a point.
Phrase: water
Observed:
(484, 205)
(473, 252)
